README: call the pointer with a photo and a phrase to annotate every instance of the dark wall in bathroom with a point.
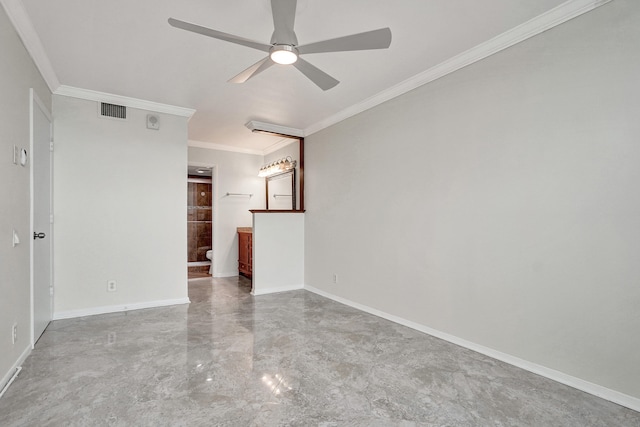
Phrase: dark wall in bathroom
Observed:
(199, 219)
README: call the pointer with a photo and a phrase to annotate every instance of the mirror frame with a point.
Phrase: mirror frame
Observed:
(283, 175)
(300, 171)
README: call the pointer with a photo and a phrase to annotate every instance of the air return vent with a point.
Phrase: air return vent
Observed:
(112, 110)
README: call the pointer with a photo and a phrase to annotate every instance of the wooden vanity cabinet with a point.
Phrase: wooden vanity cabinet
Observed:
(245, 251)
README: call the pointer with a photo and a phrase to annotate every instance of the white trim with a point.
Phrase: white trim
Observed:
(14, 368)
(27, 33)
(554, 17)
(117, 308)
(11, 380)
(198, 263)
(577, 383)
(92, 95)
(276, 290)
(535, 26)
(279, 145)
(226, 273)
(32, 311)
(214, 212)
(215, 226)
(35, 101)
(223, 147)
(254, 125)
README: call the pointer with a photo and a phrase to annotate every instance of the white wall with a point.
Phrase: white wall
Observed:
(120, 194)
(278, 252)
(17, 74)
(234, 173)
(499, 204)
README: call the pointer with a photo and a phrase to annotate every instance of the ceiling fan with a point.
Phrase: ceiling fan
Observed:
(284, 47)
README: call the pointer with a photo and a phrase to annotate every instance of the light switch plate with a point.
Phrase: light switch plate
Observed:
(16, 154)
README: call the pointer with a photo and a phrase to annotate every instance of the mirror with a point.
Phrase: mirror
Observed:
(281, 191)
(284, 176)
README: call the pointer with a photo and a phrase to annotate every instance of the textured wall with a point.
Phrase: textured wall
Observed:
(17, 75)
(498, 204)
(120, 194)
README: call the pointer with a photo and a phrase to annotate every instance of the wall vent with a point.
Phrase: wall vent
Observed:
(112, 110)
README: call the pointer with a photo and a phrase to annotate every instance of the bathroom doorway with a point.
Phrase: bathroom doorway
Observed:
(199, 222)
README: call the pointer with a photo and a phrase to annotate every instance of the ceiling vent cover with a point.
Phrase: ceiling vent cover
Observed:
(112, 110)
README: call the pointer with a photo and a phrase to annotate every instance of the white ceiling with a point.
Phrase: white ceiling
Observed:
(127, 48)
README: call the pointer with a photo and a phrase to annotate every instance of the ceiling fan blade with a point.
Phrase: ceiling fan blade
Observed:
(284, 16)
(218, 35)
(254, 70)
(323, 80)
(376, 39)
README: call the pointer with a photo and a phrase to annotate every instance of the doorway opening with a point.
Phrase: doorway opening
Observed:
(199, 222)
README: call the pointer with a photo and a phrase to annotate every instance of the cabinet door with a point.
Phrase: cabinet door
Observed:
(250, 253)
(244, 253)
(242, 248)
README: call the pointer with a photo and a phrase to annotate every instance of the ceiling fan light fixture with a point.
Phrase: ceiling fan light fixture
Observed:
(284, 49)
(284, 54)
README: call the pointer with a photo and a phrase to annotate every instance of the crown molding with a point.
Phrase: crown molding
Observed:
(92, 95)
(27, 33)
(278, 145)
(552, 18)
(223, 147)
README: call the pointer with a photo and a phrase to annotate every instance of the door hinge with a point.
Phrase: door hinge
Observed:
(50, 218)
(51, 146)
(51, 290)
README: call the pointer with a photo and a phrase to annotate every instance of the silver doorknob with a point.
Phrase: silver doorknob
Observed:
(38, 235)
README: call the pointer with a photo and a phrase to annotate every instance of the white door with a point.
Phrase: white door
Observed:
(41, 203)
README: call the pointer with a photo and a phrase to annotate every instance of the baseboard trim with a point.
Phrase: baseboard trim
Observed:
(267, 291)
(71, 314)
(198, 263)
(577, 383)
(11, 372)
(226, 274)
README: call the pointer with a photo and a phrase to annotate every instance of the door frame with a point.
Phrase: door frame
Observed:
(36, 102)
(214, 211)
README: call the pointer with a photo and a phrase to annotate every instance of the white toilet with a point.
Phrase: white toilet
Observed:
(209, 256)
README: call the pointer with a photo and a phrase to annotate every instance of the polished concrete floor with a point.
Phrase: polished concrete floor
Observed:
(289, 359)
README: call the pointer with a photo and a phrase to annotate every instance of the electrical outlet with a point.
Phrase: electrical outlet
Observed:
(335, 278)
(111, 286)
(14, 333)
